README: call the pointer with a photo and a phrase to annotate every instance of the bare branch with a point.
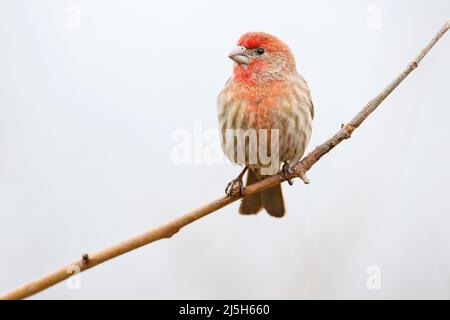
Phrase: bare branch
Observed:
(167, 230)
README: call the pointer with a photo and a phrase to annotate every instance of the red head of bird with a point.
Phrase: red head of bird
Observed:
(261, 57)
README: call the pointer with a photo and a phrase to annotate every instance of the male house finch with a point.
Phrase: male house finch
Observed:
(265, 93)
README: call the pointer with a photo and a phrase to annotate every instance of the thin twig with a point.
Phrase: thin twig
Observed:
(167, 230)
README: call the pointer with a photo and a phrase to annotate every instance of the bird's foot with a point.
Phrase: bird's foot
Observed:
(286, 172)
(235, 188)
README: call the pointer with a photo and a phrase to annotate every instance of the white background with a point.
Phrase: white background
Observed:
(87, 114)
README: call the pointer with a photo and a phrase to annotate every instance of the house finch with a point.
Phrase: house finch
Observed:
(265, 93)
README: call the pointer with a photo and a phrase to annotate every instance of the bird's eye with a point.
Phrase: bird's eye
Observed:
(260, 51)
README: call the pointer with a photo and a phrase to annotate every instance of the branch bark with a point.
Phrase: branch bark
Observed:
(168, 229)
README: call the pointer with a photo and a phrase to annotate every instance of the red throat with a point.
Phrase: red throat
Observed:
(247, 74)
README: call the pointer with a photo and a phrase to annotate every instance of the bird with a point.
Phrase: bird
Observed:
(264, 94)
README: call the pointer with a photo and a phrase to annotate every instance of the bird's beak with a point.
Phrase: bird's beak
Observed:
(239, 55)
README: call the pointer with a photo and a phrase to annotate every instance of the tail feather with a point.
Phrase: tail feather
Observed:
(270, 199)
(273, 202)
(251, 204)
